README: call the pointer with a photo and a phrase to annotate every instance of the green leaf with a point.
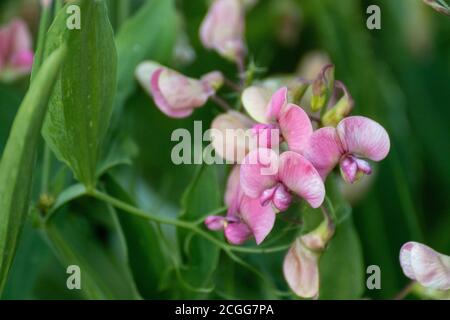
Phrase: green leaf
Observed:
(148, 261)
(75, 241)
(16, 167)
(201, 197)
(341, 265)
(149, 34)
(81, 105)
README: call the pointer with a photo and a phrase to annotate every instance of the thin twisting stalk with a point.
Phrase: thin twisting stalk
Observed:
(179, 223)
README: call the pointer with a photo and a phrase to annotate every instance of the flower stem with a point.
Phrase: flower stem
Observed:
(405, 291)
(233, 86)
(179, 223)
(221, 103)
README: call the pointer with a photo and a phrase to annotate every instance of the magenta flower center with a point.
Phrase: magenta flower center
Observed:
(353, 168)
(279, 196)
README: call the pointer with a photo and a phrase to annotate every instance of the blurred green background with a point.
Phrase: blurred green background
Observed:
(398, 75)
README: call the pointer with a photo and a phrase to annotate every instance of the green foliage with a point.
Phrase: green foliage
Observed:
(81, 104)
(16, 166)
(398, 78)
(201, 197)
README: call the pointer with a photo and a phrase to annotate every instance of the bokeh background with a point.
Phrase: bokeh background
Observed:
(398, 75)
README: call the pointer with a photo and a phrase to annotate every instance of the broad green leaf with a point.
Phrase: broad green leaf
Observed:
(72, 236)
(201, 197)
(148, 261)
(16, 166)
(81, 105)
(149, 34)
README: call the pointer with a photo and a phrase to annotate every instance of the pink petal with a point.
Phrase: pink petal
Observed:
(20, 36)
(230, 136)
(213, 81)
(282, 198)
(232, 189)
(364, 137)
(277, 103)
(431, 269)
(215, 222)
(255, 100)
(299, 176)
(296, 128)
(267, 135)
(223, 28)
(161, 96)
(259, 172)
(301, 270)
(237, 232)
(260, 219)
(405, 260)
(323, 150)
(349, 169)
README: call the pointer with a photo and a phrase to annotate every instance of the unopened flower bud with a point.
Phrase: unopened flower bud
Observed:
(301, 270)
(428, 267)
(318, 239)
(322, 88)
(340, 110)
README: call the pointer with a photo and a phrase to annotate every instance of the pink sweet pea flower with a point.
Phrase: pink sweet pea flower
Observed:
(175, 94)
(292, 121)
(223, 29)
(426, 266)
(16, 54)
(354, 137)
(273, 179)
(245, 218)
(301, 270)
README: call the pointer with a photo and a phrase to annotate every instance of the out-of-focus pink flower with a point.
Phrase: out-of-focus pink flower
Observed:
(233, 135)
(292, 121)
(16, 54)
(301, 270)
(223, 29)
(428, 267)
(245, 218)
(273, 179)
(354, 137)
(175, 94)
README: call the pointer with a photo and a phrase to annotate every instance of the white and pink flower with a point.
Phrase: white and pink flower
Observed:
(246, 217)
(426, 266)
(175, 94)
(354, 138)
(223, 29)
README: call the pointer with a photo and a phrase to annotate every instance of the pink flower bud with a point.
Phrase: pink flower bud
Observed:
(175, 94)
(301, 270)
(428, 267)
(16, 55)
(223, 29)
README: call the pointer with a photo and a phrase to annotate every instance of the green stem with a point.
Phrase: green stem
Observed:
(179, 223)
(46, 169)
(57, 6)
(43, 26)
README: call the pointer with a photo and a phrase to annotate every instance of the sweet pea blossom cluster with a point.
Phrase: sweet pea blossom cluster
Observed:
(296, 147)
